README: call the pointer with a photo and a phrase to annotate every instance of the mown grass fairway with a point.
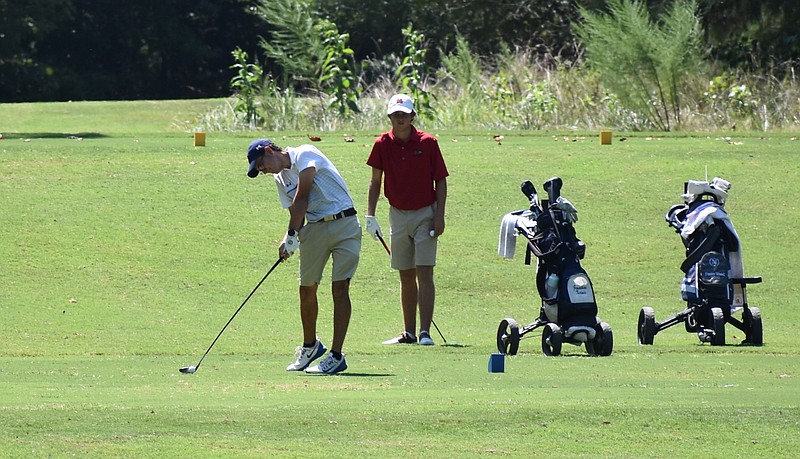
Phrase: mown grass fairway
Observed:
(124, 253)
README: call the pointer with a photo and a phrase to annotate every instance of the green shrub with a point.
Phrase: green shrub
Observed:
(246, 85)
(296, 41)
(413, 70)
(338, 78)
(641, 61)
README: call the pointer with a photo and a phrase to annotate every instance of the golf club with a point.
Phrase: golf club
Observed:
(390, 253)
(193, 368)
(530, 192)
(384, 244)
(553, 188)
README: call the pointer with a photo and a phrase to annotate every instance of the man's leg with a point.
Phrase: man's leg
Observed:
(341, 312)
(427, 296)
(408, 299)
(309, 308)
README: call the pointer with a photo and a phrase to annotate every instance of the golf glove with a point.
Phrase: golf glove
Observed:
(373, 228)
(570, 212)
(291, 243)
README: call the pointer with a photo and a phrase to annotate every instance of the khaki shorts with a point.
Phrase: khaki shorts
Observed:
(412, 244)
(319, 241)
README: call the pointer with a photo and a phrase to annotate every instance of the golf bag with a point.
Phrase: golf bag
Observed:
(568, 312)
(713, 286)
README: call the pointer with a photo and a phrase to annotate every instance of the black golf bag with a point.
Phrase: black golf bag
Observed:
(713, 286)
(568, 312)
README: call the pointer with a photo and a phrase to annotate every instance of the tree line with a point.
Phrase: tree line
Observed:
(54, 50)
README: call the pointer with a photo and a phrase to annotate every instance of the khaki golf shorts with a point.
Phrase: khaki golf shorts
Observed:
(340, 239)
(412, 244)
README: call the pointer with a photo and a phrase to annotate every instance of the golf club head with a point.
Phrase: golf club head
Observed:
(533, 197)
(188, 370)
(528, 189)
(553, 188)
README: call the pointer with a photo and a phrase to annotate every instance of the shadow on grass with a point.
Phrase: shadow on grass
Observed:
(367, 375)
(564, 355)
(54, 135)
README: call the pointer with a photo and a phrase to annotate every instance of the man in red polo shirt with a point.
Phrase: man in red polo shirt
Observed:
(410, 163)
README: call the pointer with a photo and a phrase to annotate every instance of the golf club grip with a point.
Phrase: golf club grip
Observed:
(384, 244)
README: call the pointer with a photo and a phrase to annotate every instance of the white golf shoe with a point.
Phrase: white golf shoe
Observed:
(305, 355)
(329, 366)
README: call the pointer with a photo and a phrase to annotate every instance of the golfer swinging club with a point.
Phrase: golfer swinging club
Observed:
(322, 220)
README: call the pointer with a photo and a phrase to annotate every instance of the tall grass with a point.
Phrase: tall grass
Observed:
(755, 102)
(522, 90)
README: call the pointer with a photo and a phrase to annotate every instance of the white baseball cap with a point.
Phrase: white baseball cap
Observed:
(400, 103)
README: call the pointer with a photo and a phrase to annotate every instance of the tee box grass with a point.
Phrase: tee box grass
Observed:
(125, 249)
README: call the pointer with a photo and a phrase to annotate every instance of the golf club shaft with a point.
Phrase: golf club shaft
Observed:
(384, 244)
(439, 331)
(390, 253)
(239, 309)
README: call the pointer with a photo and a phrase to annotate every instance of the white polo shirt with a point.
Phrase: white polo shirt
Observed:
(329, 194)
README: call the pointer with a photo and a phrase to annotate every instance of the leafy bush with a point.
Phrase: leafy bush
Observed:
(246, 85)
(727, 100)
(412, 71)
(338, 78)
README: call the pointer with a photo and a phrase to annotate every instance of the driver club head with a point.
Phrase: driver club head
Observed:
(553, 188)
(528, 189)
(188, 370)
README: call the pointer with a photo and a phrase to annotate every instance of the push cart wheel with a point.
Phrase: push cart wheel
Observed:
(718, 322)
(606, 345)
(593, 346)
(690, 324)
(552, 338)
(647, 325)
(754, 332)
(508, 336)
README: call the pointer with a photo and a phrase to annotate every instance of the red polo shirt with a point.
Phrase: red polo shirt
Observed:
(410, 169)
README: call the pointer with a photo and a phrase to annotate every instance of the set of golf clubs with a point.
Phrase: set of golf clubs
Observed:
(192, 369)
(553, 189)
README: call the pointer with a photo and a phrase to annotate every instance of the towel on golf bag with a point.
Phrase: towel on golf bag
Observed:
(507, 243)
(706, 214)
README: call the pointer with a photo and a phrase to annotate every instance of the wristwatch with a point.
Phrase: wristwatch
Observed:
(291, 232)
